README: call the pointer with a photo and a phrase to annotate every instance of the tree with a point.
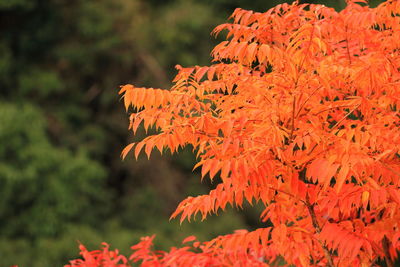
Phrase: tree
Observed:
(299, 112)
(40, 193)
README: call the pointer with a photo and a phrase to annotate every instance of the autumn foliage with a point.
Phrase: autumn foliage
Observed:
(300, 112)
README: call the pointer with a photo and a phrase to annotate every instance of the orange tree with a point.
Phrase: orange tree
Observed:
(299, 111)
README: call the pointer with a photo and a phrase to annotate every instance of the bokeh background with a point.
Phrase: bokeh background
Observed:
(63, 126)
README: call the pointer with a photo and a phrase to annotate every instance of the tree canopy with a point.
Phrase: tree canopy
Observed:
(299, 111)
(61, 132)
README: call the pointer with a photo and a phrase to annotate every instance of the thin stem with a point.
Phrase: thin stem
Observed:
(287, 193)
(299, 70)
(305, 102)
(308, 49)
(347, 45)
(348, 114)
(327, 109)
(389, 168)
(293, 117)
(317, 228)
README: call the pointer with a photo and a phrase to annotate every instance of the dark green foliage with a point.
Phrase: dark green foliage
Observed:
(43, 188)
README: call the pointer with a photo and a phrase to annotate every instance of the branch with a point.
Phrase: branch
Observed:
(154, 67)
(341, 120)
(386, 245)
(347, 45)
(315, 224)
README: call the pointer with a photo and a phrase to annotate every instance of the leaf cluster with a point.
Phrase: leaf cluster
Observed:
(299, 111)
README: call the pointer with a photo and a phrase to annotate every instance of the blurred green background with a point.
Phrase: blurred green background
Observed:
(63, 126)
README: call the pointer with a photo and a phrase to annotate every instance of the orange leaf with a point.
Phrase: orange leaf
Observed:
(189, 239)
(126, 150)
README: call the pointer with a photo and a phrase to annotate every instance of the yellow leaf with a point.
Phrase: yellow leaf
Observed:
(365, 198)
